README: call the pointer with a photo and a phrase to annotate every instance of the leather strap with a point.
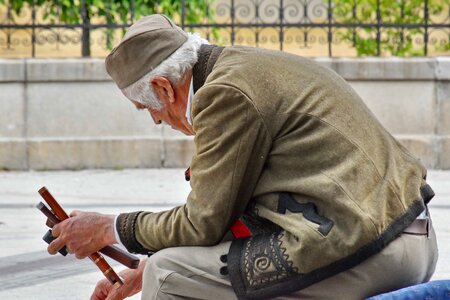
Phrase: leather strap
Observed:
(418, 226)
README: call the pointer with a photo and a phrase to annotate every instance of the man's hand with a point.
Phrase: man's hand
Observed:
(83, 233)
(132, 285)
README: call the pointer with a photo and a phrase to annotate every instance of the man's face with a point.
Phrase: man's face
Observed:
(174, 100)
(169, 114)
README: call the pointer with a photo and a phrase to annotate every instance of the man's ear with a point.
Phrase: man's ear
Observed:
(163, 88)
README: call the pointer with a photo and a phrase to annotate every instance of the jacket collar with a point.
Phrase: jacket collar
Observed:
(207, 57)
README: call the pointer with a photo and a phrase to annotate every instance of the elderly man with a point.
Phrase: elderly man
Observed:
(322, 201)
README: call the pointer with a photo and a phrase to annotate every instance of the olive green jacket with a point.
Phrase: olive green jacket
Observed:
(287, 146)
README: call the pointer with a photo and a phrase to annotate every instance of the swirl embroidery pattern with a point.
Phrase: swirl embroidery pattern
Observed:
(265, 260)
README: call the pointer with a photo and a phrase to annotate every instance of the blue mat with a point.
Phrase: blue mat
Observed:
(433, 290)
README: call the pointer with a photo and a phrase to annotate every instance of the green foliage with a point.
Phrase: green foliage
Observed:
(68, 11)
(113, 11)
(397, 41)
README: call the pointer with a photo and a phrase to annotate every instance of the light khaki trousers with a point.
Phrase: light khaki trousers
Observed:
(194, 272)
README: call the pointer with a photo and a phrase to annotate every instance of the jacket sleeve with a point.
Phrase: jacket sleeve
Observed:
(232, 143)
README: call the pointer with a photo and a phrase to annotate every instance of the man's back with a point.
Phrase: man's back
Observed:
(319, 144)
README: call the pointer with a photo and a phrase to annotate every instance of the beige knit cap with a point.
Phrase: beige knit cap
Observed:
(147, 43)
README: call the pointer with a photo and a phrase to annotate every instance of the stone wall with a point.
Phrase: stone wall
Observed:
(68, 114)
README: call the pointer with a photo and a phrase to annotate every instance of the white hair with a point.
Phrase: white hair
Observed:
(173, 68)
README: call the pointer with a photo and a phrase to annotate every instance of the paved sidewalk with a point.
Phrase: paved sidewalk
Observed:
(28, 272)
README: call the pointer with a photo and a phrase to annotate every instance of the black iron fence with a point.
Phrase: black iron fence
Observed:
(314, 27)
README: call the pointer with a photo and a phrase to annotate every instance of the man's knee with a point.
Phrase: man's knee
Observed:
(156, 260)
(158, 267)
(157, 270)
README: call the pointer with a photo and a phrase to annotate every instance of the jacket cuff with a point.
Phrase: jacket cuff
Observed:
(126, 228)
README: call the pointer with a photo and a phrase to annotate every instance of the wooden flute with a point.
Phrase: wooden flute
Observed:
(96, 257)
(111, 251)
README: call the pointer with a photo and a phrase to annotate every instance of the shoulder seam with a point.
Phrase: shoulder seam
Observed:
(248, 100)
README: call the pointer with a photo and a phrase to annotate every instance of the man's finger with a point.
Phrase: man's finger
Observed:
(55, 246)
(115, 293)
(101, 290)
(81, 256)
(74, 213)
(56, 230)
(69, 250)
(97, 295)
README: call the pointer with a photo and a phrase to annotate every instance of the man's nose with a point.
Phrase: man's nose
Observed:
(155, 119)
